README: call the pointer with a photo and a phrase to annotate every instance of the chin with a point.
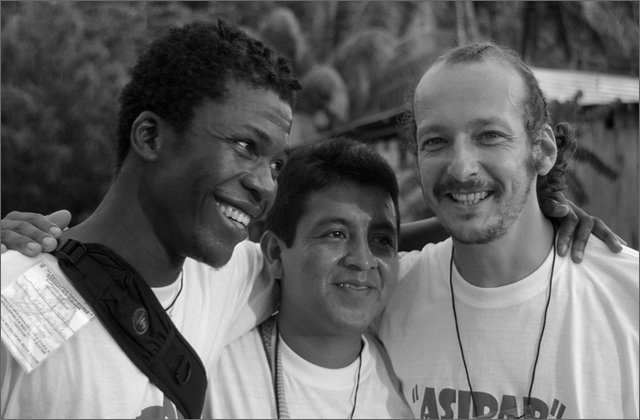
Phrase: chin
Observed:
(215, 256)
(354, 323)
(479, 236)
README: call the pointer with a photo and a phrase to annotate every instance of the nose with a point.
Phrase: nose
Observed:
(359, 256)
(260, 182)
(464, 162)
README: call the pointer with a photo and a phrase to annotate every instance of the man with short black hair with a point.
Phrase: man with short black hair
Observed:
(331, 243)
(203, 131)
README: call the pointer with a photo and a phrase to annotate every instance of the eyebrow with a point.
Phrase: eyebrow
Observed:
(253, 131)
(477, 122)
(240, 132)
(437, 127)
(386, 225)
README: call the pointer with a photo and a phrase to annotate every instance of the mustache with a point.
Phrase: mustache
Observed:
(451, 185)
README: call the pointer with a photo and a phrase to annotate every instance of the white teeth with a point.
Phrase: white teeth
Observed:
(352, 286)
(470, 198)
(234, 213)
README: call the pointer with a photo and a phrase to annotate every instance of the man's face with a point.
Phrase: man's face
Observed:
(220, 174)
(476, 164)
(340, 271)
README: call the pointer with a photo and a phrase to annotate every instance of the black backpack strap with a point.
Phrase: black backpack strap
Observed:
(131, 313)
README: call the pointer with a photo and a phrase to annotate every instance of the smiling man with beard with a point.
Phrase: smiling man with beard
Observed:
(492, 322)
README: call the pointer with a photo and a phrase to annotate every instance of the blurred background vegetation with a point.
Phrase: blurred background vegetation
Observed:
(64, 64)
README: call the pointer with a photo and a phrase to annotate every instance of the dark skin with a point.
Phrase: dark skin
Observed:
(33, 233)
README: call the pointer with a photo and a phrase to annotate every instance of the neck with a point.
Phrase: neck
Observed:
(120, 224)
(329, 351)
(509, 258)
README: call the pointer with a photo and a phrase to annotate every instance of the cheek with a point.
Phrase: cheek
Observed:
(427, 171)
(389, 272)
(306, 270)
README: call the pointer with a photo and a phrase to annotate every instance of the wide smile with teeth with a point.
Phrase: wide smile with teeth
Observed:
(469, 199)
(234, 214)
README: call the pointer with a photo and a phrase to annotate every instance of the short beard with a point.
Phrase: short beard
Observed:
(506, 218)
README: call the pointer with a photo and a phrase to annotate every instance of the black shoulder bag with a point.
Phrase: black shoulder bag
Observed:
(128, 309)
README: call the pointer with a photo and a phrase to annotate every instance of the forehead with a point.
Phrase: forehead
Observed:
(351, 202)
(480, 89)
(244, 105)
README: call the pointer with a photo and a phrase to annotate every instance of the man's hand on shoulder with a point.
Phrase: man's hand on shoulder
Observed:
(33, 233)
(575, 226)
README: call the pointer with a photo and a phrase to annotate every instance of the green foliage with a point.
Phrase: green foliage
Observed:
(63, 67)
(59, 95)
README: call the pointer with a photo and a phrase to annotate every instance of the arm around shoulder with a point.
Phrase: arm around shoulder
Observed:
(415, 235)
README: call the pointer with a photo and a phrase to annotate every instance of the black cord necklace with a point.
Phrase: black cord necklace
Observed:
(281, 405)
(528, 411)
(355, 397)
(179, 291)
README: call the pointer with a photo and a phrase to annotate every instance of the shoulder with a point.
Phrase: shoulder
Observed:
(429, 257)
(241, 354)
(376, 359)
(383, 380)
(604, 275)
(608, 281)
(595, 246)
(250, 340)
(422, 278)
(246, 263)
(600, 260)
(247, 251)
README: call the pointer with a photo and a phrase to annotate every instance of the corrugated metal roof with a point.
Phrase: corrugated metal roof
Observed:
(596, 88)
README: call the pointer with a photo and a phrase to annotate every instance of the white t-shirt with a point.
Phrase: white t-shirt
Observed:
(243, 388)
(89, 376)
(588, 363)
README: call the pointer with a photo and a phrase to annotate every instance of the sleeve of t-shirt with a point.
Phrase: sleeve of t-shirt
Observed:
(257, 298)
(407, 260)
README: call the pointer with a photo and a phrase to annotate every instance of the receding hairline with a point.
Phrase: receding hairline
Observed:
(443, 63)
(493, 58)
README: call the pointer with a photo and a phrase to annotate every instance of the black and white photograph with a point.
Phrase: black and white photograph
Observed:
(319, 209)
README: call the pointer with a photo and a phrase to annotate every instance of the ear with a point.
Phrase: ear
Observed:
(146, 140)
(272, 247)
(545, 150)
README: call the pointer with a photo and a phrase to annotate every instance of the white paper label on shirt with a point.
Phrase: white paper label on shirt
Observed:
(38, 314)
